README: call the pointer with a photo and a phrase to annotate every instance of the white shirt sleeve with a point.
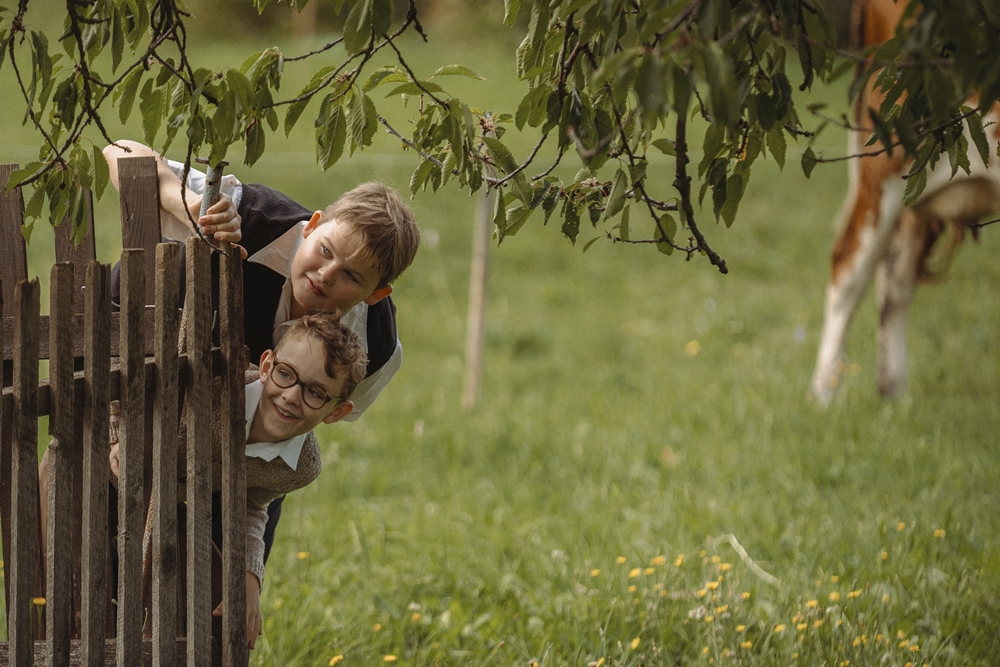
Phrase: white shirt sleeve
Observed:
(170, 226)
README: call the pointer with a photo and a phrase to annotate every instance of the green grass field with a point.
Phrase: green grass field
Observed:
(635, 411)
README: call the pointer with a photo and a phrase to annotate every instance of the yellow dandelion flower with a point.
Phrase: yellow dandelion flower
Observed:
(915, 648)
(377, 627)
(634, 572)
(834, 578)
(389, 658)
(702, 553)
(712, 585)
(812, 603)
(904, 643)
(746, 644)
(900, 634)
(692, 348)
(702, 593)
(620, 560)
(834, 596)
(845, 663)
(415, 617)
(277, 603)
(38, 602)
(335, 659)
(884, 555)
(857, 642)
(795, 656)
(854, 594)
(657, 587)
(303, 555)
(779, 628)
(724, 567)
(745, 595)
(885, 597)
(679, 561)
(939, 533)
(635, 643)
(908, 664)
(631, 589)
(817, 623)
(599, 663)
(801, 626)
(901, 526)
(709, 618)
(716, 559)
(878, 637)
(796, 618)
(722, 609)
(740, 628)
(649, 570)
(658, 560)
(595, 572)
(663, 594)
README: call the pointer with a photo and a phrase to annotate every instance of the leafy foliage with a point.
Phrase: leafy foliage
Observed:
(609, 80)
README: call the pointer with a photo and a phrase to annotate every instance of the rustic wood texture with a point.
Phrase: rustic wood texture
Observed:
(21, 572)
(198, 399)
(164, 498)
(139, 193)
(13, 259)
(6, 408)
(80, 255)
(234, 487)
(78, 324)
(131, 453)
(97, 396)
(59, 557)
(107, 658)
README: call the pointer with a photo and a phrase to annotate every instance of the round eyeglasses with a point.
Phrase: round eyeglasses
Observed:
(314, 395)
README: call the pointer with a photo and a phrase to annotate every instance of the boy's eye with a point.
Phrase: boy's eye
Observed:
(318, 394)
(284, 374)
(326, 251)
(351, 276)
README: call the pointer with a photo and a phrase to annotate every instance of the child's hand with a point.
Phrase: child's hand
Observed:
(222, 221)
(255, 622)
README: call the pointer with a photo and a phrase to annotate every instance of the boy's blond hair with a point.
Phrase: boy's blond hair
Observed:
(388, 229)
(343, 355)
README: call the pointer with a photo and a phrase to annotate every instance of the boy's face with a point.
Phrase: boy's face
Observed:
(331, 272)
(283, 413)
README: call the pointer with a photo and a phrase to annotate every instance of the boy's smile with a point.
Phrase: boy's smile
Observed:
(282, 413)
(331, 271)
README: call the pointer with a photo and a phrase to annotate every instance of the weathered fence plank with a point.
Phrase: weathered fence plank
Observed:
(59, 557)
(198, 401)
(131, 453)
(234, 487)
(97, 396)
(108, 655)
(13, 257)
(139, 193)
(21, 572)
(165, 564)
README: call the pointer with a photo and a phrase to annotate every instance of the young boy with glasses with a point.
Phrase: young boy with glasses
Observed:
(307, 379)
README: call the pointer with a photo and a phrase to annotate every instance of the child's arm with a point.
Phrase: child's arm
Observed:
(222, 220)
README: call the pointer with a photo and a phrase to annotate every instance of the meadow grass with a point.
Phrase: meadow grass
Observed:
(635, 411)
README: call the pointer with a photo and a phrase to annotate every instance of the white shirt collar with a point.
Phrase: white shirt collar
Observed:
(289, 450)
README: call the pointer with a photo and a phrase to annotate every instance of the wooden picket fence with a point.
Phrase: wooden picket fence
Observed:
(60, 607)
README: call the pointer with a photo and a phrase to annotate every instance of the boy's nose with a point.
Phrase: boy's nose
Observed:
(327, 272)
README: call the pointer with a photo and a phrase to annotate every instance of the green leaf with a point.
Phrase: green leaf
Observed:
(387, 74)
(419, 176)
(151, 108)
(915, 184)
(516, 217)
(412, 88)
(668, 224)
(734, 194)
(590, 243)
(381, 16)
(127, 91)
(331, 135)
(623, 228)
(240, 85)
(22, 174)
(777, 145)
(616, 200)
(456, 70)
(102, 175)
(358, 27)
(666, 147)
(501, 154)
(975, 124)
(571, 222)
(808, 161)
(117, 39)
(255, 140)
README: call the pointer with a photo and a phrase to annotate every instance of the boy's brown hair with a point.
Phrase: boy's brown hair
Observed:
(343, 355)
(388, 229)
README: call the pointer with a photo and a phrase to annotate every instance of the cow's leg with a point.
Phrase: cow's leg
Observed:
(895, 282)
(857, 252)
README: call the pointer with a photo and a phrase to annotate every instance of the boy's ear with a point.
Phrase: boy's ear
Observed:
(266, 360)
(312, 224)
(378, 295)
(343, 409)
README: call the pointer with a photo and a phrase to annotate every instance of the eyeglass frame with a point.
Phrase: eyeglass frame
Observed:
(297, 382)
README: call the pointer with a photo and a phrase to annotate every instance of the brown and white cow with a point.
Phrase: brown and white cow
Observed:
(880, 238)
